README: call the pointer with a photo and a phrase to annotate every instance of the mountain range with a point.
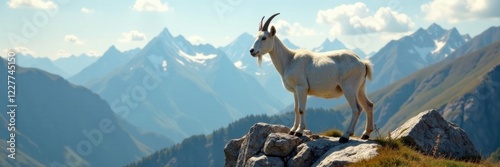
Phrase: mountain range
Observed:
(64, 67)
(177, 89)
(110, 60)
(42, 63)
(171, 89)
(60, 124)
(402, 57)
(74, 64)
(462, 89)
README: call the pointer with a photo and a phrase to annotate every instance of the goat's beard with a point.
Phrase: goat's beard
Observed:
(259, 60)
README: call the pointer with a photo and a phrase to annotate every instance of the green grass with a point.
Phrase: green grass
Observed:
(394, 153)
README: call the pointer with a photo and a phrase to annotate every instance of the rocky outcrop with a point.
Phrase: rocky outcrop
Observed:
(430, 133)
(270, 145)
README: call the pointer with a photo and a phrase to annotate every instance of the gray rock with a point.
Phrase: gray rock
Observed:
(265, 161)
(270, 145)
(352, 151)
(281, 144)
(309, 152)
(422, 131)
(231, 150)
(255, 139)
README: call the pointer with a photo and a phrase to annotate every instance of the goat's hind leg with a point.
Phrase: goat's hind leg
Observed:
(368, 106)
(350, 95)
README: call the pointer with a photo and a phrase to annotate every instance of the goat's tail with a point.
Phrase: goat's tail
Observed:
(369, 68)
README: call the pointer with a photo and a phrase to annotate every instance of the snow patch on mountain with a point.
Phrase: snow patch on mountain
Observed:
(199, 58)
(180, 62)
(423, 51)
(239, 64)
(439, 46)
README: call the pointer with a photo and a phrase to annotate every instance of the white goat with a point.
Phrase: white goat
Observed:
(326, 75)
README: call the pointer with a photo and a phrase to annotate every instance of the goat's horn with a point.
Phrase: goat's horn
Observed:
(260, 24)
(264, 28)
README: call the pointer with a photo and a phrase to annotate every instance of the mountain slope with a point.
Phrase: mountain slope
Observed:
(328, 45)
(58, 123)
(74, 64)
(207, 150)
(400, 58)
(487, 37)
(447, 86)
(178, 89)
(40, 63)
(111, 59)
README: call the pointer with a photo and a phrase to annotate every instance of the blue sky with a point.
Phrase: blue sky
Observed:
(59, 28)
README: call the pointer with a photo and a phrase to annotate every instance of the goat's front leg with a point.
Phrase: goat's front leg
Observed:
(297, 118)
(301, 94)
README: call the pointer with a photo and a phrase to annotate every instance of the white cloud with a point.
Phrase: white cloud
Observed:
(460, 10)
(295, 29)
(132, 36)
(19, 49)
(150, 6)
(37, 4)
(357, 19)
(86, 10)
(73, 39)
(195, 39)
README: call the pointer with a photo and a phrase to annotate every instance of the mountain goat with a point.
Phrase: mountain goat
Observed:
(327, 75)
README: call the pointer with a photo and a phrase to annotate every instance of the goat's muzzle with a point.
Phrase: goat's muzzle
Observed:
(252, 52)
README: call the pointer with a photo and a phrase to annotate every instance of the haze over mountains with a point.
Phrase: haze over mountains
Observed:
(58, 123)
(171, 89)
(463, 89)
(178, 89)
(64, 67)
(402, 57)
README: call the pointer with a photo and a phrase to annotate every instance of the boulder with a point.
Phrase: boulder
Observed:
(430, 133)
(270, 145)
(231, 150)
(308, 153)
(343, 154)
(281, 144)
(255, 138)
(264, 161)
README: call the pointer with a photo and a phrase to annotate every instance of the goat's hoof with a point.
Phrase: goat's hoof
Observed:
(298, 134)
(343, 140)
(365, 137)
(291, 133)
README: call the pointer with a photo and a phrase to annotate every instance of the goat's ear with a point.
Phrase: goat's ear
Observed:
(273, 30)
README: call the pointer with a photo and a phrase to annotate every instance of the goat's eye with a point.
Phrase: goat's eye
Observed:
(263, 38)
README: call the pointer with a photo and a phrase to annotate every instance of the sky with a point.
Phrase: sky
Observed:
(60, 28)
